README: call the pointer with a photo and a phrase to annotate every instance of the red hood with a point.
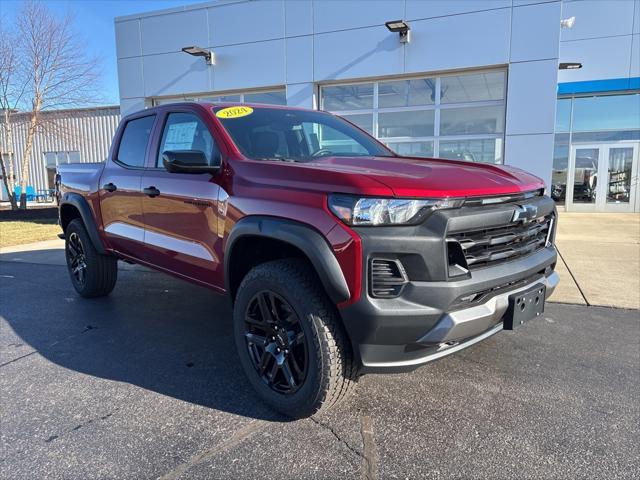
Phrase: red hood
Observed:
(421, 177)
(387, 176)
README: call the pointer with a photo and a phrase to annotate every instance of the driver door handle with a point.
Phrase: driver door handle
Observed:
(151, 191)
(109, 187)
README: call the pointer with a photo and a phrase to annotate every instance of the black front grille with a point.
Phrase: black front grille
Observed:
(490, 246)
(387, 278)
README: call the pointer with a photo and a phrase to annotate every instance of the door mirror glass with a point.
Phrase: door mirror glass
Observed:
(189, 161)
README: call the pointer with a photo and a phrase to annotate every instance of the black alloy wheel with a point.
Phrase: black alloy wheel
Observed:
(276, 342)
(76, 259)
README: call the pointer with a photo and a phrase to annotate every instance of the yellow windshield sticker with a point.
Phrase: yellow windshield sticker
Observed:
(234, 112)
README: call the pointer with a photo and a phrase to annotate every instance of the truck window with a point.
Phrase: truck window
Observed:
(185, 131)
(296, 135)
(135, 138)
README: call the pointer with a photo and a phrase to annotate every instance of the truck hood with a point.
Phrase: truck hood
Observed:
(421, 177)
(388, 176)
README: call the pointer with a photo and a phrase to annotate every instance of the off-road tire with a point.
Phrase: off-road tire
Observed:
(332, 371)
(101, 271)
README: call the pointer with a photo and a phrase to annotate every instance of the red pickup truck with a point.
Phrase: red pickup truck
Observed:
(339, 256)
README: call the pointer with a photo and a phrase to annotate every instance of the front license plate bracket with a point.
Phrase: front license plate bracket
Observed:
(524, 306)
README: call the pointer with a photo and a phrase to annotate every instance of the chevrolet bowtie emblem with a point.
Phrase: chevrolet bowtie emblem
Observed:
(524, 213)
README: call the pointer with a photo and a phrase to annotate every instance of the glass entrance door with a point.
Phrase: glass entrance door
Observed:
(603, 178)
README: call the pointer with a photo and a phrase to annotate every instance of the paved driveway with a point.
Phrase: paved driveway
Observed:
(145, 384)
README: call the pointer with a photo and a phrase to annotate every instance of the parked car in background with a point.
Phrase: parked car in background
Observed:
(339, 256)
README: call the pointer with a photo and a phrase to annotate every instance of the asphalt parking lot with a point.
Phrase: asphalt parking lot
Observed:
(145, 384)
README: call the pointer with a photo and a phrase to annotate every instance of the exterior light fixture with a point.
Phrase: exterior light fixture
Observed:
(567, 22)
(201, 52)
(570, 66)
(402, 28)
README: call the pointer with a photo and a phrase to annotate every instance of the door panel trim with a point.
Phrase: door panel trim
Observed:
(149, 237)
(186, 247)
(125, 230)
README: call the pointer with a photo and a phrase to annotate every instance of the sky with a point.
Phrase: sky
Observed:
(94, 23)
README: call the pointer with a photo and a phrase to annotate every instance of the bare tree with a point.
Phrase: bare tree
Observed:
(60, 73)
(12, 89)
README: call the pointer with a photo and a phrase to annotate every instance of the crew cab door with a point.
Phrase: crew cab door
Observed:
(120, 193)
(180, 209)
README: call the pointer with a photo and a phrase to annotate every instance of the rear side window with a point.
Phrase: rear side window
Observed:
(185, 131)
(135, 138)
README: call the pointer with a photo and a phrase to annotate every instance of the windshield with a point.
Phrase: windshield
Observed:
(295, 135)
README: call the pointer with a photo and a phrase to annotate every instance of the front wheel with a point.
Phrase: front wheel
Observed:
(92, 274)
(291, 343)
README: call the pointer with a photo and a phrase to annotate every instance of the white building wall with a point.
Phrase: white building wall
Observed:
(605, 39)
(301, 43)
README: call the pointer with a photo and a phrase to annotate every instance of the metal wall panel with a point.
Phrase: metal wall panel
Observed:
(88, 131)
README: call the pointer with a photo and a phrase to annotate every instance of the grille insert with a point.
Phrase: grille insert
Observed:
(387, 278)
(490, 246)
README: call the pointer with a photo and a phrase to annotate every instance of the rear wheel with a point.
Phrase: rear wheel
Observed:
(290, 340)
(92, 274)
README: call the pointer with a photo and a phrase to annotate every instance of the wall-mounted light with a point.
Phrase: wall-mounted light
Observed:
(209, 56)
(570, 66)
(567, 22)
(402, 28)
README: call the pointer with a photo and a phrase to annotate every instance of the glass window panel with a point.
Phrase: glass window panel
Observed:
(270, 98)
(472, 88)
(563, 115)
(407, 93)
(472, 120)
(412, 149)
(50, 159)
(585, 175)
(74, 157)
(185, 131)
(416, 123)
(222, 99)
(620, 164)
(613, 112)
(347, 97)
(135, 138)
(559, 171)
(483, 150)
(362, 120)
(611, 136)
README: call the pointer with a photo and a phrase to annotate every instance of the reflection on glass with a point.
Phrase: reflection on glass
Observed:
(50, 159)
(223, 98)
(362, 120)
(560, 165)
(620, 163)
(585, 177)
(472, 88)
(417, 123)
(563, 115)
(407, 93)
(609, 112)
(347, 97)
(270, 98)
(471, 120)
(412, 149)
(483, 151)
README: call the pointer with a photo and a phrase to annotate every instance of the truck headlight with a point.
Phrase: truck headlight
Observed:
(386, 211)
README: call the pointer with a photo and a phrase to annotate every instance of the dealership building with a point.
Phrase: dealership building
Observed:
(476, 80)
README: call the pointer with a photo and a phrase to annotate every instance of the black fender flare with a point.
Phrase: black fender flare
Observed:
(302, 236)
(76, 200)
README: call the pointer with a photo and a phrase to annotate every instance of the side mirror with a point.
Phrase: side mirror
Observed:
(189, 161)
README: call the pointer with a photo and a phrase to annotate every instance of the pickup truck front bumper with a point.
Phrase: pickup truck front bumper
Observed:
(437, 312)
